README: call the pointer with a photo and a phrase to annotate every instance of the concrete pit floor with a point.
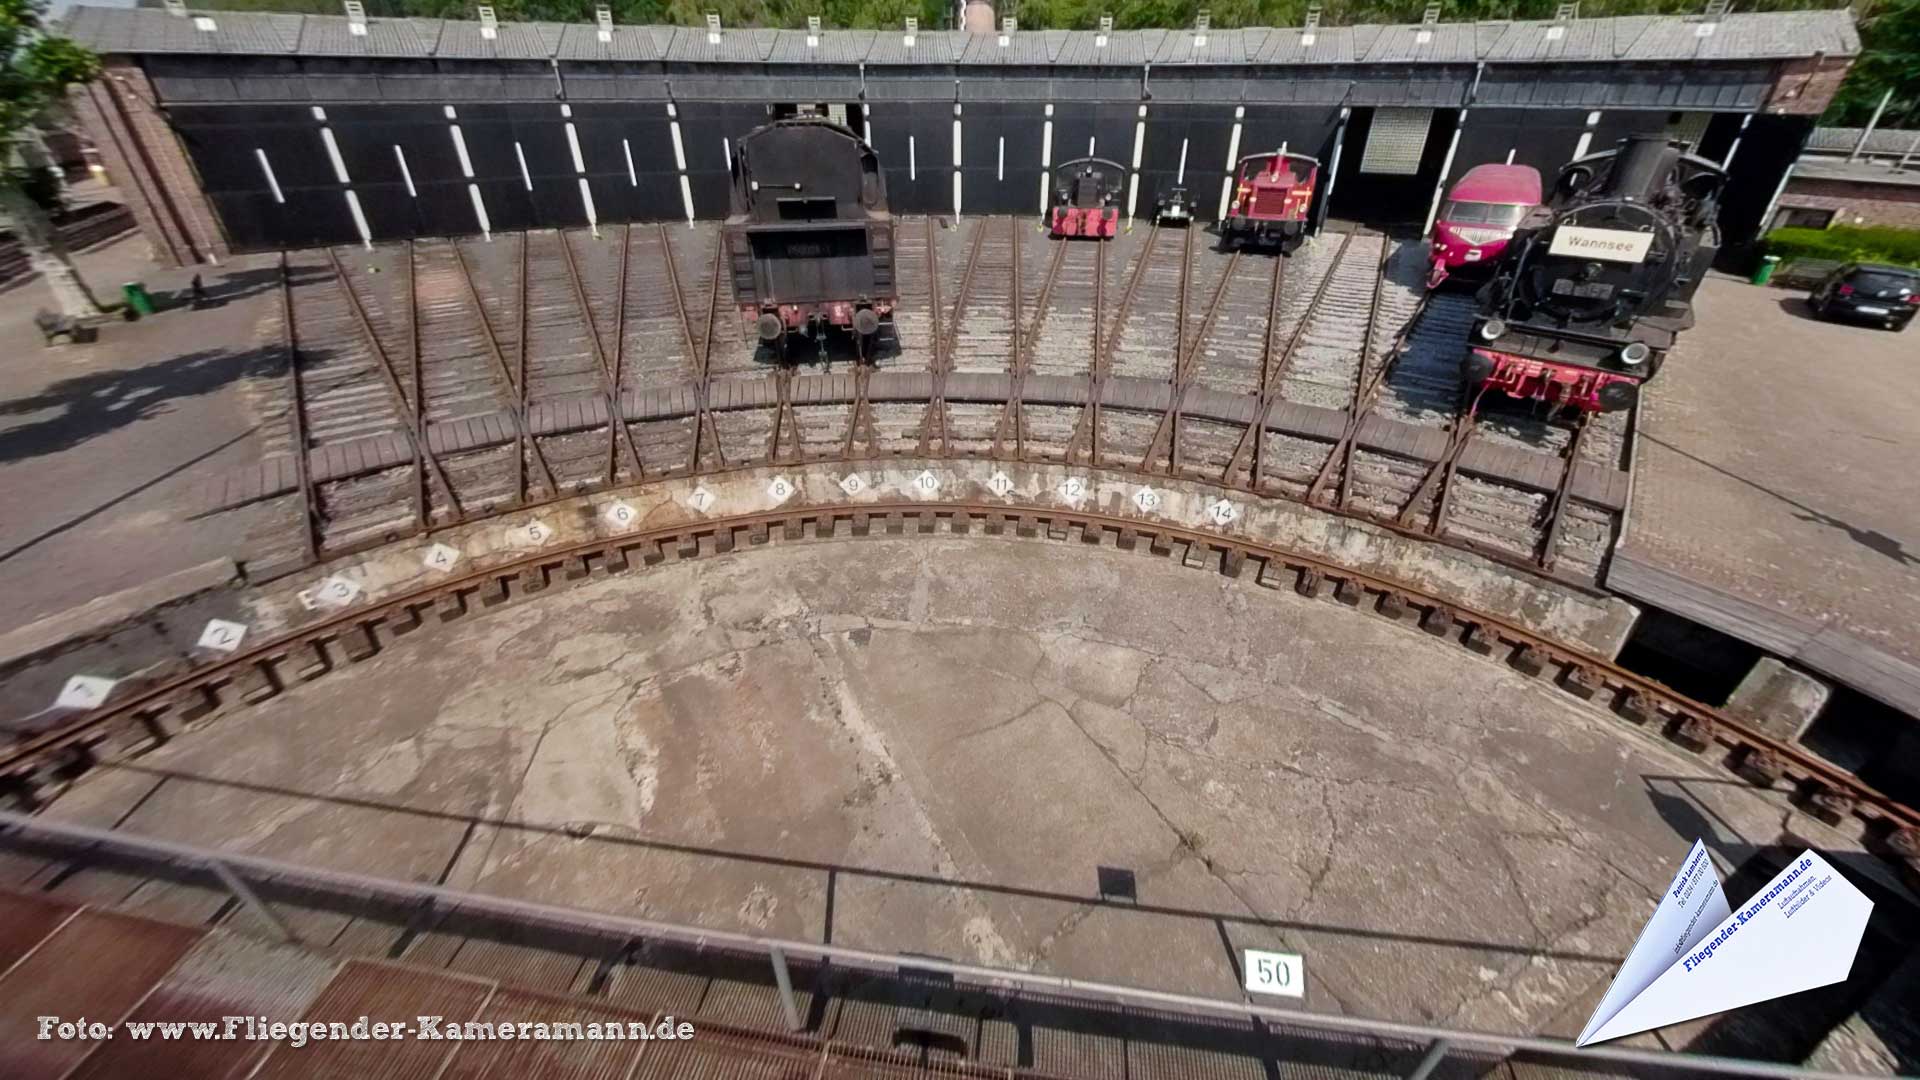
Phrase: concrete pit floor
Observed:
(935, 744)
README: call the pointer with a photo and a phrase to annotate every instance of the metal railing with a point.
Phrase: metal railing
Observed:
(233, 869)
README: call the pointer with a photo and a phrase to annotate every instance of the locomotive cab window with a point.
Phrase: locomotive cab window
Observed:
(1502, 215)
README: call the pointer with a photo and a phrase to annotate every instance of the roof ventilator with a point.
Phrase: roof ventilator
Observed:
(1202, 20)
(713, 28)
(356, 18)
(813, 31)
(1008, 26)
(913, 31)
(603, 18)
(489, 23)
(1710, 19)
(1106, 29)
(177, 8)
(1310, 30)
(1428, 20)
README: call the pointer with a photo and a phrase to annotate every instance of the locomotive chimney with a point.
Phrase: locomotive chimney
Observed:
(1640, 167)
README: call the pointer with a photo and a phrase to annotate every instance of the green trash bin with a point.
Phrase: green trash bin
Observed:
(138, 300)
(1764, 272)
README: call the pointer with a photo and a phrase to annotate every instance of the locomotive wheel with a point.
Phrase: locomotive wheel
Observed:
(771, 328)
(866, 322)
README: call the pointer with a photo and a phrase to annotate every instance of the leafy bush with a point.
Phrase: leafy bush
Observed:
(1864, 243)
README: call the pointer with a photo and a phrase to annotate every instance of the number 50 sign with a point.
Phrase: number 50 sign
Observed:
(1275, 973)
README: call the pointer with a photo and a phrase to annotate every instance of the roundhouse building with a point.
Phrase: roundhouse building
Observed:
(239, 131)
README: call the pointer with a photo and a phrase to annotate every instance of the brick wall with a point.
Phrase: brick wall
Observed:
(1805, 87)
(1874, 204)
(145, 160)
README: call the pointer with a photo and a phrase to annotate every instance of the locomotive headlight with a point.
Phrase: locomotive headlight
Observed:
(1635, 353)
(1492, 329)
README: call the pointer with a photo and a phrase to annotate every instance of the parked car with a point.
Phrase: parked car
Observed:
(1869, 292)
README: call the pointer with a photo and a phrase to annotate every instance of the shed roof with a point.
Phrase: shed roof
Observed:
(1639, 38)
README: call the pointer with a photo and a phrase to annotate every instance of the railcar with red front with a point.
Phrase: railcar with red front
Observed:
(1478, 218)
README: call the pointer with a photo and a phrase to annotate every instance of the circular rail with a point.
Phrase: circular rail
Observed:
(33, 769)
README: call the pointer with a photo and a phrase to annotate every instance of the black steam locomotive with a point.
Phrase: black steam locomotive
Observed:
(1597, 284)
(809, 237)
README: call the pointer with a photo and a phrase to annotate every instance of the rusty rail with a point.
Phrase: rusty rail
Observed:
(33, 767)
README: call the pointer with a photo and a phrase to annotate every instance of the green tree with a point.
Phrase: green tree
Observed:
(38, 69)
(1889, 60)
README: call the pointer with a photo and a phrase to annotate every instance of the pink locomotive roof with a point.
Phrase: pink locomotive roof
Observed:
(1511, 184)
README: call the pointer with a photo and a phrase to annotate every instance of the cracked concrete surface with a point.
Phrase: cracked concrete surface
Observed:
(932, 744)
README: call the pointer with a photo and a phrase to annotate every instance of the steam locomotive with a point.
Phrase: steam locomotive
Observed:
(809, 237)
(1597, 284)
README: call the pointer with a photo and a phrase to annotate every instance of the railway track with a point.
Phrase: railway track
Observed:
(552, 363)
(34, 768)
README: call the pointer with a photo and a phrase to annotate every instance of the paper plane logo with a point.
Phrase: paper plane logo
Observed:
(1698, 956)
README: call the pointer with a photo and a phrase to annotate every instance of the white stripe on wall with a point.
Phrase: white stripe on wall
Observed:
(405, 173)
(460, 148)
(573, 144)
(333, 154)
(627, 149)
(480, 212)
(267, 167)
(525, 177)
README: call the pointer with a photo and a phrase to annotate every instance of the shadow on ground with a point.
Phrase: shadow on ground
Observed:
(87, 406)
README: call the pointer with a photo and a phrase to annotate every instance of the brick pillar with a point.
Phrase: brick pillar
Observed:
(145, 160)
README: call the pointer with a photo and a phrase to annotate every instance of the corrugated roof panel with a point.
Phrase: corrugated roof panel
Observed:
(1665, 38)
(1748, 36)
(1023, 47)
(628, 44)
(255, 32)
(332, 35)
(1439, 44)
(1187, 46)
(512, 41)
(829, 47)
(743, 46)
(1331, 45)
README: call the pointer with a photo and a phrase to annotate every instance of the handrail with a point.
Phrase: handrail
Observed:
(1439, 1041)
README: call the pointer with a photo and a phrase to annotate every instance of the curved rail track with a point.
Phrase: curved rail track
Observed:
(34, 768)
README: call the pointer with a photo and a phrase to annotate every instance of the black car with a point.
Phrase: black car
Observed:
(1869, 292)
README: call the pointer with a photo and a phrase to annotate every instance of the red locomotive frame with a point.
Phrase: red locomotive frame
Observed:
(1085, 193)
(1272, 200)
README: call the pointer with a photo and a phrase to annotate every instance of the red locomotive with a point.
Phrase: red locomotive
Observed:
(1272, 194)
(1478, 219)
(1085, 191)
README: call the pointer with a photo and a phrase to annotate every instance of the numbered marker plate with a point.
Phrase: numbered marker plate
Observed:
(1222, 512)
(780, 490)
(926, 483)
(535, 532)
(620, 515)
(700, 499)
(1147, 499)
(440, 557)
(84, 692)
(1073, 488)
(336, 591)
(222, 636)
(1000, 483)
(853, 484)
(1281, 973)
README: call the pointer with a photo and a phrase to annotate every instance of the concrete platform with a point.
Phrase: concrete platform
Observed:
(957, 746)
(102, 445)
(1774, 489)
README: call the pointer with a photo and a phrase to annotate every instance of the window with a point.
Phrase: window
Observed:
(1802, 217)
(1501, 215)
